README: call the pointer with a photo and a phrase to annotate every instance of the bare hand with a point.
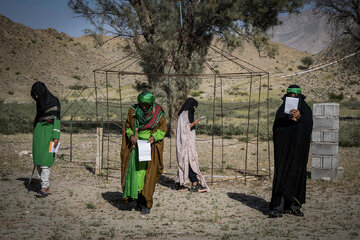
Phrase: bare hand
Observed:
(133, 139)
(56, 142)
(194, 123)
(296, 114)
(151, 139)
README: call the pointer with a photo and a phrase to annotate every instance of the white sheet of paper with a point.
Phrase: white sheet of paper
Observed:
(52, 149)
(291, 103)
(144, 150)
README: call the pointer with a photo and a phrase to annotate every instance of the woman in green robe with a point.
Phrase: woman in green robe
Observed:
(46, 130)
(139, 178)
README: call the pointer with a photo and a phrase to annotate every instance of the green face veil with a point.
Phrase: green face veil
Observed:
(294, 89)
(149, 118)
(146, 97)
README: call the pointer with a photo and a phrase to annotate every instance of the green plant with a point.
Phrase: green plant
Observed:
(195, 94)
(10, 92)
(76, 77)
(90, 205)
(59, 37)
(349, 134)
(33, 41)
(290, 69)
(7, 69)
(335, 97)
(307, 61)
(18, 73)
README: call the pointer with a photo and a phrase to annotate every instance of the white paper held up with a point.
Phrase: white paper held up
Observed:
(52, 149)
(290, 104)
(144, 150)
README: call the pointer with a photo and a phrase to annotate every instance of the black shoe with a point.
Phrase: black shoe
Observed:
(138, 208)
(296, 212)
(275, 214)
(145, 210)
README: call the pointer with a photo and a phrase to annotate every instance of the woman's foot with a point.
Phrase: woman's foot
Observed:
(48, 191)
(181, 188)
(198, 188)
(42, 193)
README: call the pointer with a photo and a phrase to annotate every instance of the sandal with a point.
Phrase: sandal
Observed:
(198, 188)
(181, 188)
(41, 194)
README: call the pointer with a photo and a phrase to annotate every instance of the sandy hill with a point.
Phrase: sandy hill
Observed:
(28, 55)
(341, 78)
(305, 31)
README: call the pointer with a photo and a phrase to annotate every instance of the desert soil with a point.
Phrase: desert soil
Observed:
(85, 206)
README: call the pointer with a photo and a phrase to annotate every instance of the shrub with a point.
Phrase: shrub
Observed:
(349, 134)
(290, 69)
(195, 94)
(77, 87)
(33, 41)
(335, 97)
(76, 77)
(352, 103)
(11, 92)
(307, 61)
(18, 73)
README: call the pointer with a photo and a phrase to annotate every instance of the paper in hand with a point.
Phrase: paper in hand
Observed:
(144, 148)
(52, 149)
(202, 118)
(290, 104)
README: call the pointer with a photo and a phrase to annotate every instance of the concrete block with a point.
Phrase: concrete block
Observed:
(329, 162)
(326, 162)
(340, 173)
(319, 173)
(323, 123)
(320, 148)
(326, 109)
(316, 162)
(325, 136)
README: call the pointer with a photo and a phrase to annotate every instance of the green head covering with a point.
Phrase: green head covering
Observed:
(294, 89)
(146, 97)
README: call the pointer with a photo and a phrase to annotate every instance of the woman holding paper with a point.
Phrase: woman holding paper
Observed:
(186, 154)
(46, 133)
(291, 134)
(145, 121)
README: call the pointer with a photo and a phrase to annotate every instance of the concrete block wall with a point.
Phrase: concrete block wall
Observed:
(325, 141)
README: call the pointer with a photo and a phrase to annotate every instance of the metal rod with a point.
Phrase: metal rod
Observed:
(71, 138)
(96, 100)
(170, 119)
(249, 74)
(108, 126)
(213, 133)
(257, 130)
(268, 121)
(222, 124)
(247, 131)
(121, 115)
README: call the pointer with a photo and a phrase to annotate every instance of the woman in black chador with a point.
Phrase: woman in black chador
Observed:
(291, 135)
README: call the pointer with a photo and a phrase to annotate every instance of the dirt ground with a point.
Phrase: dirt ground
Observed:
(85, 206)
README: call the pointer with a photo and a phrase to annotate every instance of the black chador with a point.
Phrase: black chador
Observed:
(291, 149)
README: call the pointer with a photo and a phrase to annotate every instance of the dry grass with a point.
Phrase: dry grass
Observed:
(85, 206)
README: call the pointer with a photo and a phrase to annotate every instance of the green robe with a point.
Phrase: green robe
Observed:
(44, 133)
(135, 176)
